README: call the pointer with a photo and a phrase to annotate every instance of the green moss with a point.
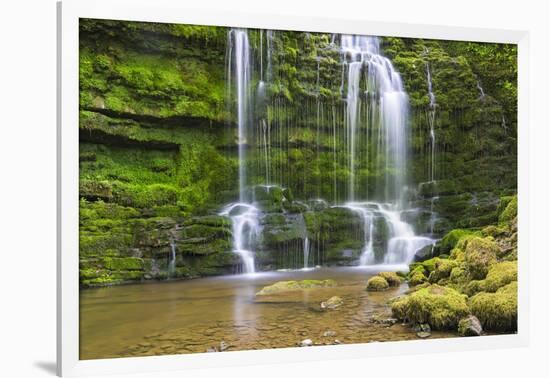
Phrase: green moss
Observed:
(443, 268)
(451, 239)
(392, 278)
(125, 263)
(417, 278)
(499, 275)
(510, 212)
(497, 311)
(377, 283)
(479, 255)
(439, 306)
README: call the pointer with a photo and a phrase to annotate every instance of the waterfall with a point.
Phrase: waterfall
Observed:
(244, 216)
(239, 61)
(246, 231)
(388, 104)
(481, 91)
(306, 252)
(172, 261)
(402, 243)
(371, 123)
(431, 119)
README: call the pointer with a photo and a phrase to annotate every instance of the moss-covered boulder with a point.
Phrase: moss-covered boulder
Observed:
(497, 311)
(392, 278)
(377, 283)
(499, 275)
(479, 255)
(510, 212)
(440, 307)
(443, 268)
(449, 241)
(417, 277)
(284, 286)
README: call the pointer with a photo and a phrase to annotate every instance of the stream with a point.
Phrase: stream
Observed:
(177, 317)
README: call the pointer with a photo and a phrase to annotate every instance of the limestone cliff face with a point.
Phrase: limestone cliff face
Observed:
(158, 156)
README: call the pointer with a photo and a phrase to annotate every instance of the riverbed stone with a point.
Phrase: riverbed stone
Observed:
(284, 286)
(470, 326)
(332, 303)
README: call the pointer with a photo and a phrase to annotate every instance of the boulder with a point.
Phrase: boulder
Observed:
(470, 326)
(440, 307)
(332, 303)
(377, 283)
(284, 286)
(424, 253)
(391, 277)
(497, 311)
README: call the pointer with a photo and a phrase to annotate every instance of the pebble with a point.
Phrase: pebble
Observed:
(306, 343)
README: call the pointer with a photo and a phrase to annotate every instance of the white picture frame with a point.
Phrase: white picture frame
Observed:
(172, 11)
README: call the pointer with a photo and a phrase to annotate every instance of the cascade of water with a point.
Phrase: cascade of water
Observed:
(244, 216)
(402, 243)
(481, 91)
(172, 261)
(431, 119)
(306, 252)
(240, 63)
(387, 99)
(246, 230)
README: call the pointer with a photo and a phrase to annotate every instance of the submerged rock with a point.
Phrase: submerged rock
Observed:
(332, 303)
(423, 335)
(283, 286)
(329, 334)
(377, 283)
(223, 346)
(470, 326)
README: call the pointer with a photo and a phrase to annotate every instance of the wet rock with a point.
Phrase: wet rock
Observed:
(424, 253)
(377, 283)
(283, 286)
(211, 350)
(422, 328)
(470, 326)
(329, 334)
(423, 335)
(306, 343)
(337, 342)
(332, 303)
(223, 346)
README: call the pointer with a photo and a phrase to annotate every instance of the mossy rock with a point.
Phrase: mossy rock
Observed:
(443, 268)
(377, 283)
(283, 286)
(417, 277)
(510, 212)
(441, 307)
(479, 255)
(497, 311)
(392, 278)
(499, 275)
(494, 231)
(449, 241)
(458, 275)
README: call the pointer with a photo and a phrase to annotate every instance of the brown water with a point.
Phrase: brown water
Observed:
(193, 316)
